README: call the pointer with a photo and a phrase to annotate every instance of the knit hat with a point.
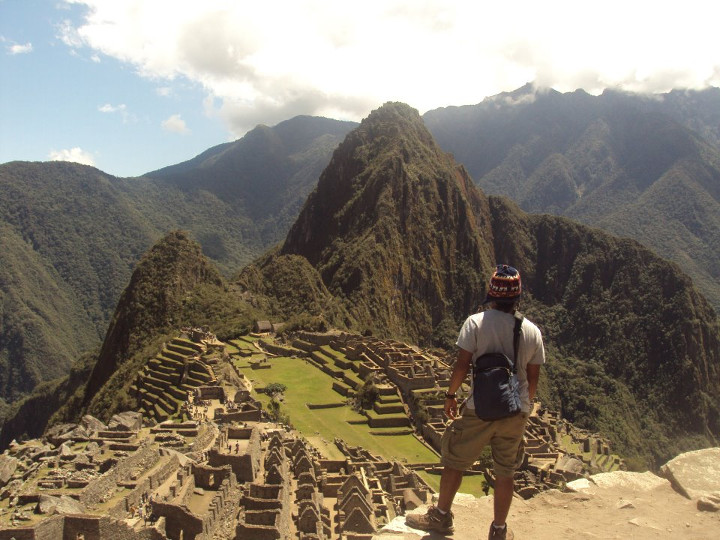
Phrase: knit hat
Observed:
(505, 286)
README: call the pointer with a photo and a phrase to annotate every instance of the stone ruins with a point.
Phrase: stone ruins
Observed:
(200, 459)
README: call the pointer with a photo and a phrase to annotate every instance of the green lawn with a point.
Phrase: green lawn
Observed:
(307, 384)
(470, 484)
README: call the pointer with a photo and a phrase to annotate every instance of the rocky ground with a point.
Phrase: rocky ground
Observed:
(614, 505)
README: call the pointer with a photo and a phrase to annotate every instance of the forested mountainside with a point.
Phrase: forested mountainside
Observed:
(645, 167)
(405, 242)
(173, 285)
(69, 240)
(73, 234)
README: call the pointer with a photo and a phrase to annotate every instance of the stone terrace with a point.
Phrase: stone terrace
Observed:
(165, 382)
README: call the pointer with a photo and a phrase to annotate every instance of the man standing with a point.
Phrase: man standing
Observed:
(467, 435)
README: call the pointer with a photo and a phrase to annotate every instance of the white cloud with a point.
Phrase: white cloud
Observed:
(76, 154)
(266, 61)
(20, 49)
(164, 91)
(175, 124)
(108, 108)
(120, 109)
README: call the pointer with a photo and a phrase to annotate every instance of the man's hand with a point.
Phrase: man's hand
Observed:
(451, 408)
(459, 372)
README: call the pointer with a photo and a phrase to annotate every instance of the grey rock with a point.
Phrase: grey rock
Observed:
(694, 474)
(126, 421)
(80, 433)
(66, 453)
(59, 505)
(58, 430)
(569, 464)
(92, 424)
(92, 449)
(8, 466)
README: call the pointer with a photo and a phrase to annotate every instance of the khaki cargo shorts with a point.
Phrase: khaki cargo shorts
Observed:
(466, 437)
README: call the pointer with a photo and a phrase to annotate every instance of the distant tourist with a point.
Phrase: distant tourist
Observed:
(465, 438)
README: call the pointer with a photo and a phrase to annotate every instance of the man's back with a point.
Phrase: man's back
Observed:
(492, 331)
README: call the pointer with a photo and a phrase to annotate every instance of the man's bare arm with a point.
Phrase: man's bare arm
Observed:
(533, 375)
(459, 372)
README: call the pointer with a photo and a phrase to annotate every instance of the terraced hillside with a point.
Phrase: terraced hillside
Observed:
(163, 384)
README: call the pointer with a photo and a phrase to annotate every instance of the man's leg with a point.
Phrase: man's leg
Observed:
(439, 518)
(449, 484)
(503, 498)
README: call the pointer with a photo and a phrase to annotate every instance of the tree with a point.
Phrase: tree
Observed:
(273, 389)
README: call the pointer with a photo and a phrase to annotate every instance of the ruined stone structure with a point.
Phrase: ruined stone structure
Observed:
(227, 473)
(418, 381)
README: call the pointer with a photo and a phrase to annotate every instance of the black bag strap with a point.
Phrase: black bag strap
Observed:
(516, 337)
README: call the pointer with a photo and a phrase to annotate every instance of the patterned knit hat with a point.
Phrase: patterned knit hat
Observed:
(505, 286)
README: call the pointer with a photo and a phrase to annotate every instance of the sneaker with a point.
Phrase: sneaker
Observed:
(500, 534)
(432, 520)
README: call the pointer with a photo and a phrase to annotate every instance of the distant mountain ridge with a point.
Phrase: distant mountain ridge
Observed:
(646, 167)
(266, 175)
(79, 232)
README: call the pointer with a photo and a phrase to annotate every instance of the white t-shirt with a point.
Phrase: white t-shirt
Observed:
(492, 331)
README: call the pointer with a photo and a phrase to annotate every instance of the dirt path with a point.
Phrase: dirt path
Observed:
(631, 511)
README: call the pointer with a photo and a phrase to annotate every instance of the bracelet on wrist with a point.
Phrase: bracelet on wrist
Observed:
(448, 395)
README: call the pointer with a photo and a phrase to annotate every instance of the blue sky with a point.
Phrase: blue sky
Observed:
(131, 86)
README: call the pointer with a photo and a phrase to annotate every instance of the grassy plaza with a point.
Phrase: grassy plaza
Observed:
(306, 384)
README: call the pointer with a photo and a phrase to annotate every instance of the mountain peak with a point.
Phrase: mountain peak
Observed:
(384, 225)
(168, 271)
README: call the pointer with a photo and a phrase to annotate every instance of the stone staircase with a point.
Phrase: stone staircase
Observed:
(162, 385)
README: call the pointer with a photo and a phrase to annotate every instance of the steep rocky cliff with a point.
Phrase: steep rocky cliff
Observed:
(396, 228)
(637, 348)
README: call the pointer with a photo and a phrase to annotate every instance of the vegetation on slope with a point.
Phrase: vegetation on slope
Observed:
(80, 233)
(635, 348)
(42, 325)
(174, 285)
(641, 167)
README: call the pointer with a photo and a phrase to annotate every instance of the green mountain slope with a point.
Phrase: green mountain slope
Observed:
(69, 239)
(635, 348)
(387, 223)
(173, 285)
(42, 325)
(262, 180)
(643, 167)
(83, 231)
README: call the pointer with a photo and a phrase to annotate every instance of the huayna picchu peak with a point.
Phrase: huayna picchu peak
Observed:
(396, 228)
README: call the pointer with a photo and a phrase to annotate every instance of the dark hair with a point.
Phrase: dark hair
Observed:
(506, 307)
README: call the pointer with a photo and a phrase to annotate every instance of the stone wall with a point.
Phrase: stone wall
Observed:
(245, 466)
(279, 350)
(178, 520)
(390, 421)
(211, 392)
(148, 484)
(103, 487)
(89, 527)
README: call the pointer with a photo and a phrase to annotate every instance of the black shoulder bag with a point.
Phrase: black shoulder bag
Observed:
(496, 392)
